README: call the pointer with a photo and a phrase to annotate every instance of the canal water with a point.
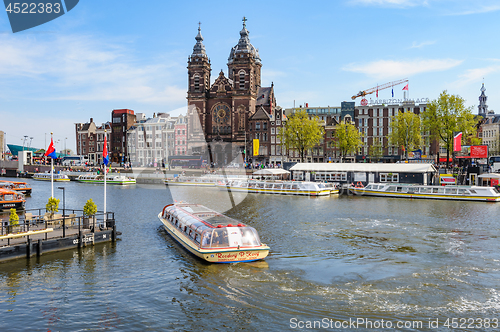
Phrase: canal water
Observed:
(333, 261)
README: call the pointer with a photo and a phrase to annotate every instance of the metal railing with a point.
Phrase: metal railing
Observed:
(69, 223)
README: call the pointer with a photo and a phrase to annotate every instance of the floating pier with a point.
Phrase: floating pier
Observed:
(38, 234)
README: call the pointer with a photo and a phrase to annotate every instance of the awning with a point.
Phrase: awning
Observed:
(489, 176)
(271, 171)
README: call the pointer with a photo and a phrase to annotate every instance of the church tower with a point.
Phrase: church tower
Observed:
(244, 65)
(198, 90)
(482, 107)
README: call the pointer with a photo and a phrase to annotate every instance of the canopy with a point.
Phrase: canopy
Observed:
(271, 171)
(489, 176)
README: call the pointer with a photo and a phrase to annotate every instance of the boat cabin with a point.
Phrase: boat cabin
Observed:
(208, 228)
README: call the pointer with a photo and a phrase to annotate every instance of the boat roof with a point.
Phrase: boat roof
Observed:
(364, 167)
(208, 216)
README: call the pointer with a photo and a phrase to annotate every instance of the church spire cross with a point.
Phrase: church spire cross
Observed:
(199, 26)
(244, 21)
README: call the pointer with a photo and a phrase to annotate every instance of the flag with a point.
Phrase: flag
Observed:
(105, 157)
(392, 92)
(406, 87)
(51, 150)
(377, 91)
(457, 142)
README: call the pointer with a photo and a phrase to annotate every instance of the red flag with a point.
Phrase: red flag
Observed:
(406, 87)
(377, 91)
(457, 142)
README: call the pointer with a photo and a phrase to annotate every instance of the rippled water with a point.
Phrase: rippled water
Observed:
(339, 258)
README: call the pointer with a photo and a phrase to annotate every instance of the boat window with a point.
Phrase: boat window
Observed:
(206, 237)
(197, 238)
(462, 191)
(185, 229)
(321, 186)
(425, 190)
(8, 197)
(472, 191)
(278, 186)
(219, 238)
(400, 189)
(370, 187)
(452, 191)
(249, 237)
(269, 185)
(391, 188)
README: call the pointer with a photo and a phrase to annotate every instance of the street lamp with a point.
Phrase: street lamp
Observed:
(64, 210)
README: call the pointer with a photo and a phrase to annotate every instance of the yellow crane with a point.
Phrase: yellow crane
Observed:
(378, 88)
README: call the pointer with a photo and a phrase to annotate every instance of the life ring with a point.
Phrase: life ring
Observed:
(359, 185)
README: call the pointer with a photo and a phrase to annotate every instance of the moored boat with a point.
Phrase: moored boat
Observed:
(199, 181)
(462, 193)
(10, 199)
(47, 177)
(210, 235)
(277, 187)
(110, 179)
(18, 186)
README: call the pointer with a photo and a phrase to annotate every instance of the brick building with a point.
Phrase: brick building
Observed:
(121, 121)
(90, 140)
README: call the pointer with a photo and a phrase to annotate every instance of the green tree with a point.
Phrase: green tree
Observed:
(447, 115)
(52, 206)
(406, 131)
(376, 151)
(13, 218)
(301, 132)
(347, 138)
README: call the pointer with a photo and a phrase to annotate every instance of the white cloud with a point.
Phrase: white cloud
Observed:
(477, 10)
(82, 68)
(399, 69)
(422, 44)
(475, 75)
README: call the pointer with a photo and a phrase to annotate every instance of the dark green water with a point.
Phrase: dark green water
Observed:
(337, 258)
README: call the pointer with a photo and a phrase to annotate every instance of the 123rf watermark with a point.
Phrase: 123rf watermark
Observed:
(365, 323)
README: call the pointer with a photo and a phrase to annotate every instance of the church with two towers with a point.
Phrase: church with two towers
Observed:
(223, 111)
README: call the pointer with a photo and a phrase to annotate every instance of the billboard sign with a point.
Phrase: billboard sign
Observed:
(473, 151)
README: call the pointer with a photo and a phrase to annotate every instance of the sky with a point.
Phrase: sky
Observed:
(114, 54)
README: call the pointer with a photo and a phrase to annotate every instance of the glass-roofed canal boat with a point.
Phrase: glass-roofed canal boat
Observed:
(211, 235)
(461, 193)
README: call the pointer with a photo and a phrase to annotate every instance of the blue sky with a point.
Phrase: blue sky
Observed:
(111, 54)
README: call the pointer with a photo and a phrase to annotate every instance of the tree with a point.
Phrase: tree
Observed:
(347, 138)
(406, 131)
(447, 115)
(376, 151)
(52, 206)
(301, 132)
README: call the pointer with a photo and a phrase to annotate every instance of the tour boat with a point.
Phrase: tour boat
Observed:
(191, 181)
(277, 187)
(11, 199)
(47, 177)
(110, 179)
(18, 186)
(462, 193)
(210, 235)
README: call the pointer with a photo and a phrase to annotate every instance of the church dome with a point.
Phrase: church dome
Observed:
(244, 46)
(199, 48)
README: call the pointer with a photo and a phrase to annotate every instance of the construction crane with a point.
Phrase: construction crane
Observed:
(378, 88)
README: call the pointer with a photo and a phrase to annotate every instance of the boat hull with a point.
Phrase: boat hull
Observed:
(219, 255)
(18, 205)
(109, 182)
(362, 192)
(325, 192)
(192, 184)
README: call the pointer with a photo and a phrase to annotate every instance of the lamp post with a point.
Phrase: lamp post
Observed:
(64, 210)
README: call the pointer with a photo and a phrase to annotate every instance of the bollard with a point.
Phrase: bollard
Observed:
(28, 248)
(79, 239)
(39, 248)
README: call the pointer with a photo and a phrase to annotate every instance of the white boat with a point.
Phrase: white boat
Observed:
(199, 181)
(47, 177)
(210, 235)
(277, 187)
(462, 193)
(110, 179)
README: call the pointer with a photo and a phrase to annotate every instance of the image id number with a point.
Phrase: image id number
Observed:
(33, 8)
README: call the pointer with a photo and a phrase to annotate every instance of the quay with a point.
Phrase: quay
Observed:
(39, 234)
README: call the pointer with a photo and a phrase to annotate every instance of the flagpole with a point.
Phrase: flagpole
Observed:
(104, 155)
(51, 172)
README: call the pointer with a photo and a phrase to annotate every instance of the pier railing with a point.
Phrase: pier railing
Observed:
(40, 224)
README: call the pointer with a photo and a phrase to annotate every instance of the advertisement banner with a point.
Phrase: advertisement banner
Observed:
(473, 151)
(415, 155)
(256, 147)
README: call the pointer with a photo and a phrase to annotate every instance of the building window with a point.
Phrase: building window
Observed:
(196, 83)
(264, 126)
(242, 80)
(272, 130)
(389, 177)
(257, 125)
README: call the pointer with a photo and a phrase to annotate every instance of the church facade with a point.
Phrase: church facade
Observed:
(219, 113)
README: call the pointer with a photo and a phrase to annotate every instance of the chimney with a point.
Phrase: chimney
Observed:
(91, 120)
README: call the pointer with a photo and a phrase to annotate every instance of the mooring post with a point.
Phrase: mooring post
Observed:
(79, 239)
(113, 233)
(28, 248)
(39, 248)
